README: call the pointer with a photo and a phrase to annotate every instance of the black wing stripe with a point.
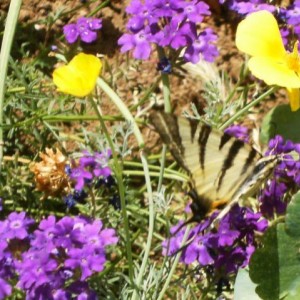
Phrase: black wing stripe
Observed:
(252, 157)
(224, 139)
(168, 128)
(205, 131)
(228, 162)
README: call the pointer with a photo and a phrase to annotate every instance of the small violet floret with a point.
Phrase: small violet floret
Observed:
(84, 29)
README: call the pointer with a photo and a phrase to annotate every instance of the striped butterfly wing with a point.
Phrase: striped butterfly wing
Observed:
(222, 168)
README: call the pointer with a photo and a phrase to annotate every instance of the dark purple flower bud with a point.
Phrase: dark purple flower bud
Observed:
(164, 66)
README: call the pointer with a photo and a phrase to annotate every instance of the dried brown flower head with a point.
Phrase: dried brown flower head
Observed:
(50, 175)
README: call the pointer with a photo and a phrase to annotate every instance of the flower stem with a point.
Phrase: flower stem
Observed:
(123, 109)
(247, 107)
(150, 228)
(119, 178)
(9, 31)
(128, 116)
(174, 265)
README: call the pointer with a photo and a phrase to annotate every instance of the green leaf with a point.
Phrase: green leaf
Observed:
(281, 120)
(275, 267)
(289, 263)
(293, 216)
(243, 283)
(264, 266)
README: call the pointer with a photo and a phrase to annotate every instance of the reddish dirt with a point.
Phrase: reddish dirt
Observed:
(131, 78)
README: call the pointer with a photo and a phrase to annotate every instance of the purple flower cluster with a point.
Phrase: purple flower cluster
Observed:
(291, 16)
(226, 248)
(54, 261)
(91, 166)
(247, 7)
(286, 177)
(84, 29)
(168, 23)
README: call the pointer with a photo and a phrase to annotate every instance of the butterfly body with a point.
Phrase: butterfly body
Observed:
(223, 169)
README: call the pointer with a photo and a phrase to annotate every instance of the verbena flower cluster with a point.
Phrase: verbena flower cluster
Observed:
(289, 15)
(85, 29)
(286, 177)
(91, 168)
(169, 23)
(246, 7)
(55, 260)
(226, 248)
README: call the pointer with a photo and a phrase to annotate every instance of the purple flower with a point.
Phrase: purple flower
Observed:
(85, 29)
(246, 7)
(292, 13)
(286, 177)
(225, 249)
(90, 167)
(85, 32)
(139, 42)
(239, 132)
(87, 260)
(194, 11)
(5, 289)
(60, 251)
(71, 33)
(168, 23)
(202, 45)
(81, 176)
(17, 225)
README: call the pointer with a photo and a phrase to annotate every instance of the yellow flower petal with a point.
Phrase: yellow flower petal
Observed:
(259, 35)
(273, 72)
(78, 78)
(294, 96)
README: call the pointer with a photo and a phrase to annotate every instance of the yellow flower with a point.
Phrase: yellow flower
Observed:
(259, 36)
(78, 78)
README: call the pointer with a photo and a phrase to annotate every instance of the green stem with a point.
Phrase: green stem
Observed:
(168, 109)
(128, 116)
(150, 228)
(119, 178)
(123, 109)
(174, 265)
(247, 107)
(9, 31)
(102, 5)
(93, 202)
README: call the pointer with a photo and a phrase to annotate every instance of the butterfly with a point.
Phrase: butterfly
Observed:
(223, 169)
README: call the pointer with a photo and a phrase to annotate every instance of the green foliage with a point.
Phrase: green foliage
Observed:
(281, 121)
(275, 268)
(150, 186)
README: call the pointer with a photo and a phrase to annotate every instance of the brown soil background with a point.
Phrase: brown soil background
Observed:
(133, 77)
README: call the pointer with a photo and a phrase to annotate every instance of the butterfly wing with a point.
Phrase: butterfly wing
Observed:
(219, 164)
